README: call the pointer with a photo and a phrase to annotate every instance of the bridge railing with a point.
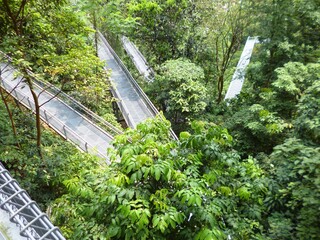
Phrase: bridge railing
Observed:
(239, 74)
(93, 117)
(150, 73)
(144, 97)
(52, 121)
(125, 112)
(33, 223)
(153, 110)
(90, 115)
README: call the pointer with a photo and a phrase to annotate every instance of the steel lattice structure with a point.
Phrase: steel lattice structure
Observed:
(33, 223)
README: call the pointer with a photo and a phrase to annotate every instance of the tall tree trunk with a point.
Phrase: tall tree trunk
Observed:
(16, 16)
(37, 111)
(96, 31)
(220, 87)
(13, 126)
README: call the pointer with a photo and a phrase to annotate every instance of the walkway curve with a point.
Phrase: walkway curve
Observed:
(132, 101)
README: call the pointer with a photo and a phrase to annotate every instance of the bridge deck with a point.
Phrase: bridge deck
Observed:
(238, 76)
(63, 118)
(134, 107)
(138, 59)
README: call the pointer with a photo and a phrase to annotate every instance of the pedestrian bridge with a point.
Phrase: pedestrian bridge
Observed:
(238, 76)
(65, 115)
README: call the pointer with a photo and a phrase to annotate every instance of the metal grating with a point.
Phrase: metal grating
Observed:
(33, 223)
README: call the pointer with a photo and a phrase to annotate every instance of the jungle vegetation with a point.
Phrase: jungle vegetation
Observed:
(245, 169)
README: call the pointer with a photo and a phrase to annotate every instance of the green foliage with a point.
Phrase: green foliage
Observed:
(179, 90)
(256, 129)
(156, 188)
(292, 80)
(59, 53)
(199, 187)
(162, 26)
(308, 120)
(292, 32)
(295, 197)
(261, 126)
(107, 15)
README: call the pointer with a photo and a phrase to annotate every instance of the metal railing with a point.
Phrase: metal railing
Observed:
(124, 110)
(54, 91)
(149, 75)
(144, 97)
(53, 121)
(153, 110)
(33, 223)
(74, 104)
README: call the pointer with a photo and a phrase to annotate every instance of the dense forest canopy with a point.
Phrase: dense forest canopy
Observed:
(246, 169)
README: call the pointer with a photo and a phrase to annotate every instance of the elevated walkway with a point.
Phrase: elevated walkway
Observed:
(133, 102)
(65, 115)
(238, 76)
(138, 59)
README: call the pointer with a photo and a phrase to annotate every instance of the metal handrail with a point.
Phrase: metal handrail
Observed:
(123, 108)
(23, 211)
(93, 117)
(74, 110)
(77, 106)
(25, 100)
(46, 118)
(150, 70)
(144, 97)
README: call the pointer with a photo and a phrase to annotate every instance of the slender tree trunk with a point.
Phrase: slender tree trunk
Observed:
(220, 87)
(13, 126)
(228, 51)
(37, 111)
(96, 32)
(17, 19)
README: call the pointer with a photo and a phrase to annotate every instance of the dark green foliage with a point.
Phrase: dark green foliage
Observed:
(294, 199)
(290, 32)
(256, 129)
(308, 120)
(163, 27)
(260, 127)
(41, 178)
(207, 185)
(159, 189)
(179, 91)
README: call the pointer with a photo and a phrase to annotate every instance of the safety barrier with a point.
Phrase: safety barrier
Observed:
(144, 70)
(33, 223)
(93, 117)
(51, 120)
(123, 109)
(136, 86)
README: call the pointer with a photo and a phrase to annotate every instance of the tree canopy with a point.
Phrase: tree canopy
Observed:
(245, 169)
